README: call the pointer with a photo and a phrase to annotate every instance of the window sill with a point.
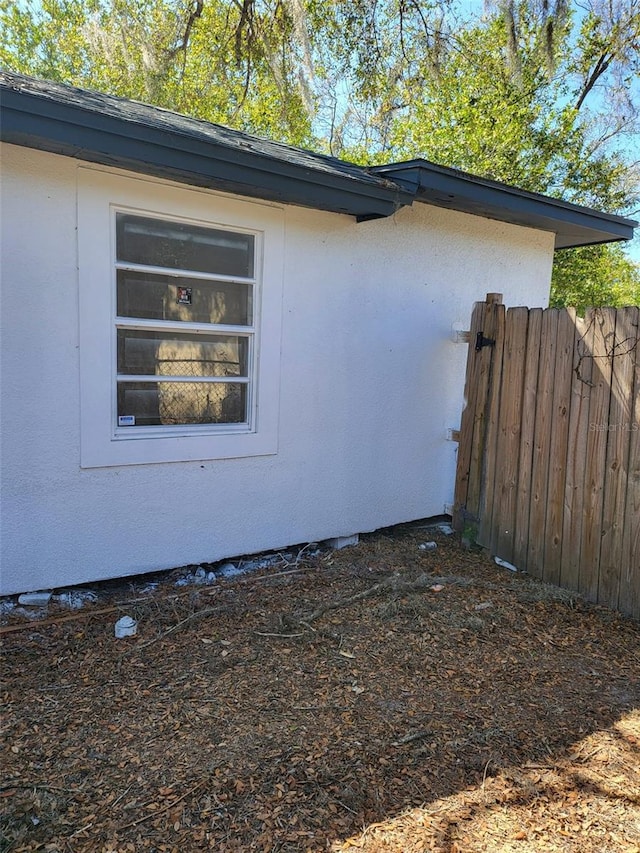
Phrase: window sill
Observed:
(145, 450)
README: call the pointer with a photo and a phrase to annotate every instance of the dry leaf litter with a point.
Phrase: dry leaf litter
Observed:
(379, 698)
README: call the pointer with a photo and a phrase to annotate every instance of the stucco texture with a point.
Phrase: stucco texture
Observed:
(370, 380)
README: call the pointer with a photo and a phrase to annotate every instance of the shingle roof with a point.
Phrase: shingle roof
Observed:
(115, 131)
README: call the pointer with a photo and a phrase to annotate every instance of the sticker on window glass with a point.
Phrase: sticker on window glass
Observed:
(184, 296)
(126, 420)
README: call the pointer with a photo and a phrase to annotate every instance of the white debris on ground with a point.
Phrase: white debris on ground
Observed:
(126, 626)
(270, 560)
(428, 546)
(198, 575)
(36, 605)
(229, 570)
(75, 599)
(7, 606)
(443, 527)
(505, 565)
(10, 607)
(35, 599)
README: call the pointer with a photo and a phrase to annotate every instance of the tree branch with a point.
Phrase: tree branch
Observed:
(186, 35)
(600, 68)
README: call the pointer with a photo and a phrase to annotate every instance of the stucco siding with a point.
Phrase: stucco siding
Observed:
(369, 382)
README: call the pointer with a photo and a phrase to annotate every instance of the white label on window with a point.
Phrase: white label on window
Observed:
(126, 420)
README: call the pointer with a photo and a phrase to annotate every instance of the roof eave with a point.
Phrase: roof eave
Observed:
(69, 130)
(572, 225)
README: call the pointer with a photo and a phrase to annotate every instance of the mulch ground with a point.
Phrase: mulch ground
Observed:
(379, 698)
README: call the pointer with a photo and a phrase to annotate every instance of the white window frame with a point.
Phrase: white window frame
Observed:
(248, 331)
(102, 442)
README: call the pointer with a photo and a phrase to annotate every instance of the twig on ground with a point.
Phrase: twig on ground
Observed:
(275, 634)
(484, 778)
(301, 552)
(254, 579)
(410, 738)
(53, 620)
(121, 797)
(37, 786)
(199, 614)
(345, 806)
(392, 584)
(166, 808)
(82, 829)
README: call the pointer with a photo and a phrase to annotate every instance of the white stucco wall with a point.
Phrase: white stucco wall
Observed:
(370, 381)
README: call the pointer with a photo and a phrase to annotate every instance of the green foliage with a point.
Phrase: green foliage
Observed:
(208, 59)
(476, 114)
(594, 276)
(506, 97)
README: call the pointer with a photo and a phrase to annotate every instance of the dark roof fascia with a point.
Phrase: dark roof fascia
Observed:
(573, 225)
(189, 152)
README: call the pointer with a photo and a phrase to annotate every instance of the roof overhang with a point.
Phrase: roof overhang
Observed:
(572, 224)
(114, 131)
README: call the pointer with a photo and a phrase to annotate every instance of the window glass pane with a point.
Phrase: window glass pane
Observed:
(175, 354)
(175, 403)
(165, 297)
(177, 245)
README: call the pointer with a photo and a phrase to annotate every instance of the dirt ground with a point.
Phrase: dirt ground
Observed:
(378, 698)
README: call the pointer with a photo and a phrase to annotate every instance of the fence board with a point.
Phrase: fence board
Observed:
(581, 373)
(471, 427)
(558, 448)
(483, 379)
(617, 458)
(629, 598)
(541, 442)
(604, 331)
(508, 436)
(525, 461)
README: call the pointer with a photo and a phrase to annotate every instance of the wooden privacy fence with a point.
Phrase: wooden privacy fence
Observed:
(548, 473)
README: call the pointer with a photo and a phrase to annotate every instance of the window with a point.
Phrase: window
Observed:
(185, 334)
(180, 304)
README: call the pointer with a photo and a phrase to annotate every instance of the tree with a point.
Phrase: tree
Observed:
(233, 63)
(507, 99)
(538, 93)
(594, 276)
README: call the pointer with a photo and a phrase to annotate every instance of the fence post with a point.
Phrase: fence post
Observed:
(473, 420)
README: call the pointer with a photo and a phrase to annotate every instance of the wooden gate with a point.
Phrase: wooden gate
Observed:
(548, 472)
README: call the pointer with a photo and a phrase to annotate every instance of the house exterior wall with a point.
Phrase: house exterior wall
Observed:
(369, 382)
